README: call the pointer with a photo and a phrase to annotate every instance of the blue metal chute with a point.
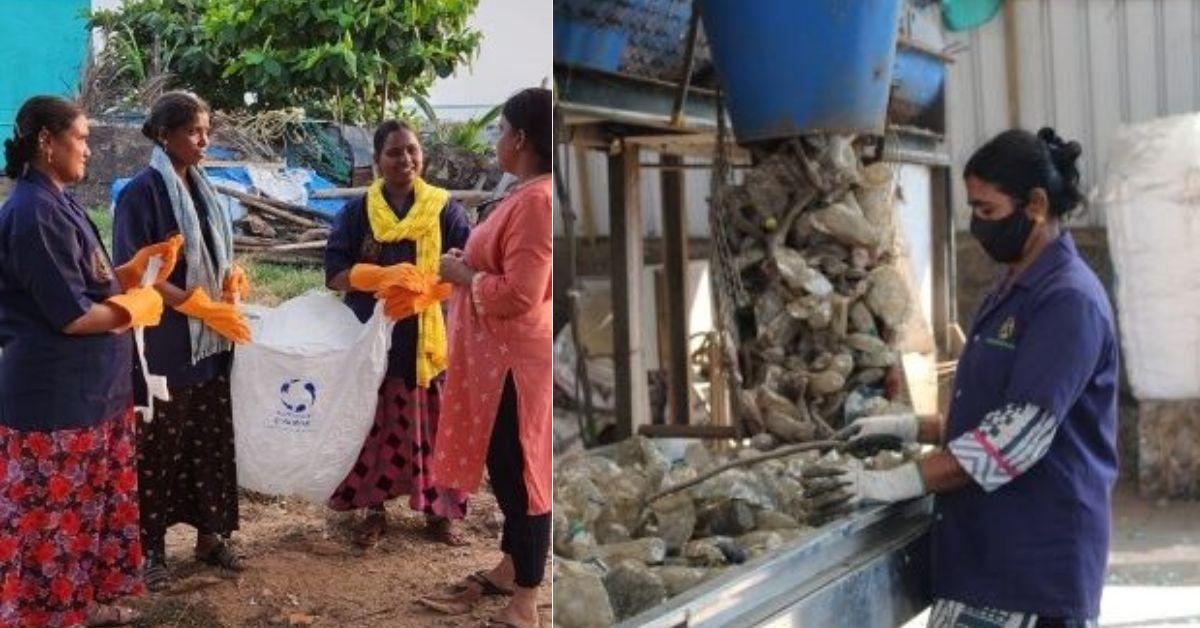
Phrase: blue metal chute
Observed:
(790, 68)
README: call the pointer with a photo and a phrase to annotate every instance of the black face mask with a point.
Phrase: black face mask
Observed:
(1004, 238)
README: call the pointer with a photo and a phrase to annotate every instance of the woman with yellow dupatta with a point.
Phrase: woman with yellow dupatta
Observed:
(376, 241)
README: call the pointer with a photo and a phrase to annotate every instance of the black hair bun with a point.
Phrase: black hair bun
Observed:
(14, 158)
(1064, 154)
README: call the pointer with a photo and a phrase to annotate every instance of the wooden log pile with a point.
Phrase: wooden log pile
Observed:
(281, 232)
(275, 231)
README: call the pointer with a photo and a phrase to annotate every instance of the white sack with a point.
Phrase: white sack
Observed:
(304, 394)
(1151, 196)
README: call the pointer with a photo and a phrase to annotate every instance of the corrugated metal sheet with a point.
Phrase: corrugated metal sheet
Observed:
(1083, 67)
(655, 34)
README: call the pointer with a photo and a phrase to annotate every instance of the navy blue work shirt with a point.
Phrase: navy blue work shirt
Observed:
(53, 268)
(351, 242)
(1039, 543)
(143, 216)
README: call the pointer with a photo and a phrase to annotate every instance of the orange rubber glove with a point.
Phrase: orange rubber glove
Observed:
(373, 278)
(236, 286)
(143, 306)
(223, 318)
(398, 302)
(130, 273)
(416, 292)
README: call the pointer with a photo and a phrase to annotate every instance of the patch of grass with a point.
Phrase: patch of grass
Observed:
(272, 284)
(104, 223)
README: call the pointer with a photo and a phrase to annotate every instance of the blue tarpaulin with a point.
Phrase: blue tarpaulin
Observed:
(328, 208)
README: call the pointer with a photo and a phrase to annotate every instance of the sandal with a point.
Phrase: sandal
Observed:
(223, 556)
(112, 615)
(477, 582)
(371, 530)
(486, 586)
(443, 530)
(155, 573)
(459, 597)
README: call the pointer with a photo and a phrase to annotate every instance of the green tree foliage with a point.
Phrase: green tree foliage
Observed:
(467, 135)
(352, 60)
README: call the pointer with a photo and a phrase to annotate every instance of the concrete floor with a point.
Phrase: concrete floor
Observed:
(1153, 564)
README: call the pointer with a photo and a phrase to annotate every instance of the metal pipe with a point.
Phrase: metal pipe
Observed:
(894, 151)
(610, 114)
(1012, 75)
(693, 166)
(689, 61)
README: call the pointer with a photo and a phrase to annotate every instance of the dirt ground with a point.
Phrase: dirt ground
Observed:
(303, 570)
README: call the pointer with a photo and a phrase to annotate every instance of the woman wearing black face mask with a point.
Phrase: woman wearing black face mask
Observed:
(1018, 187)
(1028, 459)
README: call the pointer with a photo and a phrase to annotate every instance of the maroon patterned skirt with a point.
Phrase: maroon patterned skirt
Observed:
(68, 522)
(398, 454)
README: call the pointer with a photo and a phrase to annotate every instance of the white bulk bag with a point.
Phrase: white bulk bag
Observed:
(1151, 199)
(304, 394)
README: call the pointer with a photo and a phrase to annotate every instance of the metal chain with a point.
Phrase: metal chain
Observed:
(726, 278)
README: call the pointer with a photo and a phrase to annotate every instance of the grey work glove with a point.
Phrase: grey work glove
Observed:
(903, 426)
(832, 491)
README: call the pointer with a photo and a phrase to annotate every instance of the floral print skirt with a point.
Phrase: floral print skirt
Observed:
(68, 522)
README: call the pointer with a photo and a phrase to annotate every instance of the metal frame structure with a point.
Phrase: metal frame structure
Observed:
(624, 115)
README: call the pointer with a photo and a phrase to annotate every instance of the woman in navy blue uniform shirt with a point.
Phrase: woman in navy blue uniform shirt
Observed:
(69, 544)
(186, 464)
(363, 249)
(1028, 459)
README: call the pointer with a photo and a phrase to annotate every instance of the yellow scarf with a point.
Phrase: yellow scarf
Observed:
(423, 226)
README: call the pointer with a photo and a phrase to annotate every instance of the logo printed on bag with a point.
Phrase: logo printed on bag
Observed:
(297, 396)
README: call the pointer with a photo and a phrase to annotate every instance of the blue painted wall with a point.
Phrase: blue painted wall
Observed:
(43, 47)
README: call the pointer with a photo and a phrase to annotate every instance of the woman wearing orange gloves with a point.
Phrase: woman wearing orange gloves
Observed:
(69, 542)
(186, 463)
(387, 245)
(499, 392)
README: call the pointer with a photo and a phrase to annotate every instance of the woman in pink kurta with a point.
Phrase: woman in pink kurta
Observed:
(497, 407)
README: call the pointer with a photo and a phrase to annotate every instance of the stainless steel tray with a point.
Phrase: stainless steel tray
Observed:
(868, 569)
